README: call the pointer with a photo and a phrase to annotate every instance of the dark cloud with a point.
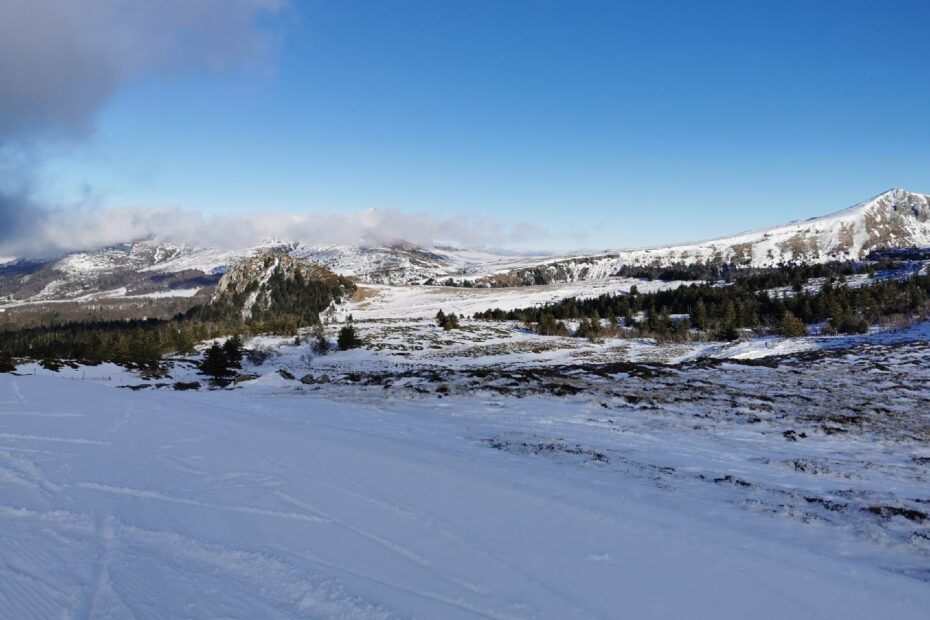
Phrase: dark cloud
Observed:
(17, 217)
(60, 60)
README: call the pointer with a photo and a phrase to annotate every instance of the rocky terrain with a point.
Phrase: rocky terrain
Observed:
(262, 285)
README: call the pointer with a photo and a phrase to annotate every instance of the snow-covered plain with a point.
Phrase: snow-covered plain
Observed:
(396, 302)
(666, 494)
(482, 472)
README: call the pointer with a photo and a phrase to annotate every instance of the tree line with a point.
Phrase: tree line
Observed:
(720, 311)
(295, 303)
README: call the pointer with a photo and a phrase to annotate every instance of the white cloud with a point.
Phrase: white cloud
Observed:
(61, 60)
(49, 232)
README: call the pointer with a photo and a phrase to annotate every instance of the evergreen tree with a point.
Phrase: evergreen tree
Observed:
(322, 344)
(699, 315)
(232, 349)
(447, 321)
(143, 349)
(587, 330)
(184, 341)
(348, 339)
(791, 326)
(728, 316)
(548, 326)
(214, 364)
(596, 323)
(6, 362)
(726, 331)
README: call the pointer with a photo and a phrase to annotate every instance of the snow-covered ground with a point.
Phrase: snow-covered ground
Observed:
(482, 472)
(403, 302)
(267, 502)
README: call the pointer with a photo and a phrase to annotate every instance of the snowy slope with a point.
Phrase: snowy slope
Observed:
(262, 503)
(894, 219)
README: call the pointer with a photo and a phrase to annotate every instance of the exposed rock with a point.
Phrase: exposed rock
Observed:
(310, 379)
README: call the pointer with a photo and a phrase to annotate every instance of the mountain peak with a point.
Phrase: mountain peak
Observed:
(901, 203)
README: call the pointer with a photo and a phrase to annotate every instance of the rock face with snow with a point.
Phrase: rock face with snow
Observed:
(275, 284)
(894, 219)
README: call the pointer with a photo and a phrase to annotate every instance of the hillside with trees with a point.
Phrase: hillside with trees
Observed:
(778, 301)
(273, 293)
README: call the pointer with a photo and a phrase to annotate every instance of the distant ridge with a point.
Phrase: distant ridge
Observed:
(162, 268)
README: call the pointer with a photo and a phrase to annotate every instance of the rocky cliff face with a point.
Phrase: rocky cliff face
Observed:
(277, 284)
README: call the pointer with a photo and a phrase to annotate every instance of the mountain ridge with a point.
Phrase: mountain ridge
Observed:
(159, 267)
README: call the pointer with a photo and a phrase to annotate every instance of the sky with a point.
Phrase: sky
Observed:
(527, 124)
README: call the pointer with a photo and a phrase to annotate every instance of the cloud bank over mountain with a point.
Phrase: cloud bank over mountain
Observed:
(42, 232)
(61, 61)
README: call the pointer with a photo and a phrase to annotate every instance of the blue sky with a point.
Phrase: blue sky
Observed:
(611, 124)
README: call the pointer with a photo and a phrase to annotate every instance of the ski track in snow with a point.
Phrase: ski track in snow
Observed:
(262, 503)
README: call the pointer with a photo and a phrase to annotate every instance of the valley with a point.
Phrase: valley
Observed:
(427, 467)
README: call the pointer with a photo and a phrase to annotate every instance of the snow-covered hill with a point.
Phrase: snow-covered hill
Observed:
(159, 267)
(894, 219)
(276, 282)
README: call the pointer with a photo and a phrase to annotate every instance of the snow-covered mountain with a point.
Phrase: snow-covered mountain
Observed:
(893, 219)
(162, 268)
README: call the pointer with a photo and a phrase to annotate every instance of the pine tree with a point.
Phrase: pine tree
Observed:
(348, 339)
(727, 331)
(232, 349)
(548, 326)
(586, 330)
(791, 326)
(728, 317)
(143, 349)
(214, 364)
(447, 321)
(322, 344)
(699, 315)
(184, 340)
(6, 362)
